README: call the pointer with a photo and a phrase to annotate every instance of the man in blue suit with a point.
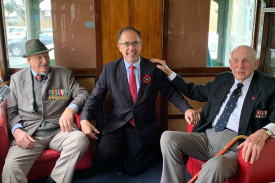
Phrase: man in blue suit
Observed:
(253, 116)
(133, 116)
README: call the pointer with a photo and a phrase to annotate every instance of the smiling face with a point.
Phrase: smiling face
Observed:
(40, 63)
(243, 62)
(130, 52)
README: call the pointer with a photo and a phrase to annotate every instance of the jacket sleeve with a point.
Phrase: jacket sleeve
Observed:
(98, 94)
(173, 94)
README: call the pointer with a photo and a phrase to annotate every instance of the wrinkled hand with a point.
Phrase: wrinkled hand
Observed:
(162, 66)
(253, 146)
(88, 129)
(23, 139)
(66, 120)
(192, 116)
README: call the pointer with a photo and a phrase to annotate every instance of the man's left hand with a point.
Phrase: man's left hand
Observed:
(192, 116)
(253, 146)
(66, 120)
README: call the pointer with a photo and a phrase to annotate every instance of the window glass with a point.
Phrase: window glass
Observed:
(202, 33)
(231, 24)
(68, 26)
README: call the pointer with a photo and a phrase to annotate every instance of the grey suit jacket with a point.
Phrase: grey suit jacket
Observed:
(260, 99)
(20, 104)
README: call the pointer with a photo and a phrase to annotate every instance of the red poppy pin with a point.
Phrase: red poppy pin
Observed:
(147, 79)
(253, 98)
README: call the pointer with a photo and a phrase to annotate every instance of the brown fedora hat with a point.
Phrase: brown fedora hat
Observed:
(34, 47)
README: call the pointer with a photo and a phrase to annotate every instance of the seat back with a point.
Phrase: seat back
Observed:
(4, 142)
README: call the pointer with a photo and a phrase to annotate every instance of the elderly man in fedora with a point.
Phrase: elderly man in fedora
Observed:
(40, 111)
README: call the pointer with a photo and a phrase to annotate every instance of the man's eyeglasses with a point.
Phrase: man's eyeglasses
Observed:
(127, 44)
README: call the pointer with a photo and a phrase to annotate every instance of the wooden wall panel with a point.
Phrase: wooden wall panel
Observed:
(144, 15)
(176, 119)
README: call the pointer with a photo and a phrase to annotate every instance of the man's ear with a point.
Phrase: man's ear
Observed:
(230, 63)
(256, 63)
(118, 47)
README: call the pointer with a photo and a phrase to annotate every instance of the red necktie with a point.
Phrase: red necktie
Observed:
(133, 88)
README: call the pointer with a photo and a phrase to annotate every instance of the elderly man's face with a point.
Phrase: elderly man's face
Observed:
(242, 63)
(130, 52)
(40, 63)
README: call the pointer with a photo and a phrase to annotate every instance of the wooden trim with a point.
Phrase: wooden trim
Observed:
(3, 61)
(262, 62)
(256, 26)
(99, 63)
(164, 100)
(176, 116)
(200, 71)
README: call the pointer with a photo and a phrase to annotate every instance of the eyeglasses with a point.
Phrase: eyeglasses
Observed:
(127, 44)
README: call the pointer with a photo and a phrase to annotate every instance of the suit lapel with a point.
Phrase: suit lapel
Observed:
(248, 105)
(143, 72)
(124, 79)
(27, 86)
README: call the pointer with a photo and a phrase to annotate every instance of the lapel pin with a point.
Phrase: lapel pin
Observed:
(253, 98)
(147, 79)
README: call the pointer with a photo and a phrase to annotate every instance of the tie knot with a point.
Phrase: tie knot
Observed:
(240, 85)
(39, 77)
(132, 67)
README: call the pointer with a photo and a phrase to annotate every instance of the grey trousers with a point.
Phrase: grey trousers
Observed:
(19, 161)
(203, 146)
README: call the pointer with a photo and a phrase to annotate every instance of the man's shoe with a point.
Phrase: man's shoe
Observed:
(120, 172)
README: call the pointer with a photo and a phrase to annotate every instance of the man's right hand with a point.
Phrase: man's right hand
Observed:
(23, 139)
(88, 129)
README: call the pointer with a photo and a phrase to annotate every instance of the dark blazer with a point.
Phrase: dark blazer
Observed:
(114, 80)
(260, 97)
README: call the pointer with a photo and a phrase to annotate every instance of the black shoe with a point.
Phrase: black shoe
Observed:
(50, 180)
(120, 172)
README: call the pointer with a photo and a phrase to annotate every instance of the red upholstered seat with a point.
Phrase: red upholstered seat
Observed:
(45, 163)
(262, 171)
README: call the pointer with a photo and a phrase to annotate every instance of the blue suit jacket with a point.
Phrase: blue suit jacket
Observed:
(114, 80)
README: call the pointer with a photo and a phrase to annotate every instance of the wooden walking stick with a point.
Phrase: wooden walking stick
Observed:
(235, 139)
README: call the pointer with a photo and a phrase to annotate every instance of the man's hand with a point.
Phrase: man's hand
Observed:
(253, 146)
(192, 116)
(162, 66)
(23, 139)
(88, 129)
(66, 120)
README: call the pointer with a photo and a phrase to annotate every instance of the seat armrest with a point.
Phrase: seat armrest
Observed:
(77, 118)
(263, 169)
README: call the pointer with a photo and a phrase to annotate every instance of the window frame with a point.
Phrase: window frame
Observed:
(6, 72)
(202, 71)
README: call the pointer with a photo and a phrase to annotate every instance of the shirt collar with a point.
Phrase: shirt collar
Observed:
(35, 73)
(245, 82)
(137, 64)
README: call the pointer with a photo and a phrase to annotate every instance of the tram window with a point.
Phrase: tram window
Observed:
(68, 26)
(202, 33)
(231, 24)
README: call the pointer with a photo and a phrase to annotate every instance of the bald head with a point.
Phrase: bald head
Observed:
(243, 62)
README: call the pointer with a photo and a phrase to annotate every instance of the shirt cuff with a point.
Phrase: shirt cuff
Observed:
(172, 76)
(271, 127)
(17, 125)
(74, 107)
